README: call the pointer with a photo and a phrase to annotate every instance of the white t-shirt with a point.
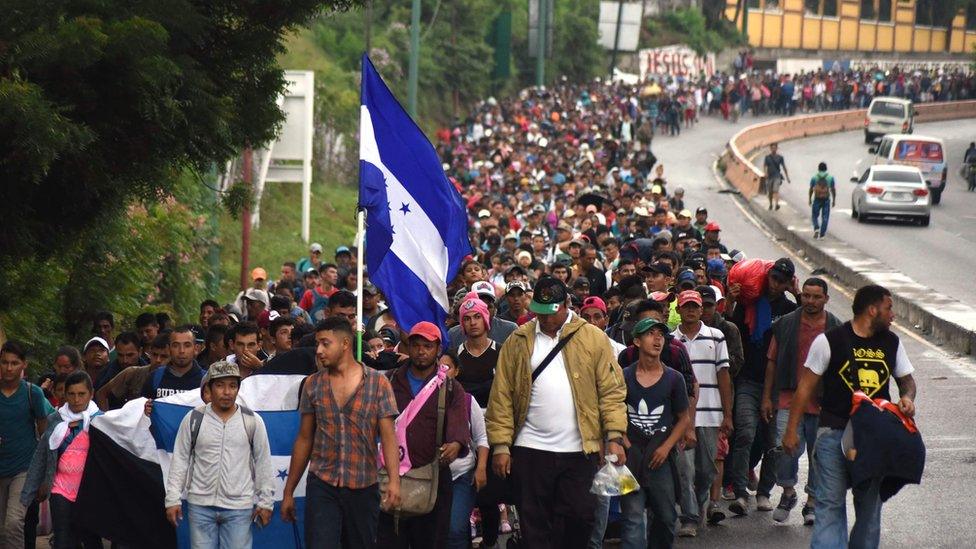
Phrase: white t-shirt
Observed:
(479, 439)
(818, 358)
(550, 423)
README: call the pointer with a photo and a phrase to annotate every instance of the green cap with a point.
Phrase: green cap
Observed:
(645, 325)
(549, 293)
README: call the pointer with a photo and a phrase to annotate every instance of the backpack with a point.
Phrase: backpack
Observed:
(821, 188)
(319, 303)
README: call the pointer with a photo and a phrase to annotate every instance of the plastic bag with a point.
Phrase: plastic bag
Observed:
(751, 275)
(613, 479)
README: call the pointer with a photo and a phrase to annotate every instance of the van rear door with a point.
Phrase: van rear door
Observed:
(925, 155)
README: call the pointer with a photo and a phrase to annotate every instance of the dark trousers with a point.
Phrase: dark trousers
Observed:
(30, 525)
(497, 490)
(424, 532)
(343, 517)
(68, 535)
(552, 491)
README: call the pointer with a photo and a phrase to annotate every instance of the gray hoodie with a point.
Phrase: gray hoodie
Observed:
(220, 477)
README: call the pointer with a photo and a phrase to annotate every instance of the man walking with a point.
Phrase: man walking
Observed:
(837, 358)
(713, 410)
(221, 484)
(774, 168)
(792, 336)
(657, 417)
(342, 500)
(822, 195)
(558, 398)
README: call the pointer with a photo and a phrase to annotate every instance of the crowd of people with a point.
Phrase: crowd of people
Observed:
(595, 317)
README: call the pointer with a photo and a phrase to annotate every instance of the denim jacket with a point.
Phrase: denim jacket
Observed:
(43, 465)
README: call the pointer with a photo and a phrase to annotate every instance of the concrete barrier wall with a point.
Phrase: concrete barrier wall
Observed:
(744, 176)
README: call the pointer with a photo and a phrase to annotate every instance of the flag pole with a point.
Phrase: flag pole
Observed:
(360, 238)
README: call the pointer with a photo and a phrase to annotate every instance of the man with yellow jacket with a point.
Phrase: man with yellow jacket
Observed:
(557, 401)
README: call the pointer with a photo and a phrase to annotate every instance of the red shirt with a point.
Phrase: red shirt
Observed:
(308, 300)
(807, 333)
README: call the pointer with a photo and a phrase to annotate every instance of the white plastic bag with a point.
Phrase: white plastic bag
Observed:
(613, 479)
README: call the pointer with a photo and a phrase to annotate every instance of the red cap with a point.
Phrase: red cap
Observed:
(660, 296)
(712, 226)
(595, 302)
(426, 330)
(689, 296)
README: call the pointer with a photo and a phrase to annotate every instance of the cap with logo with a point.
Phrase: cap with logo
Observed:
(783, 269)
(594, 302)
(516, 285)
(707, 294)
(222, 369)
(689, 296)
(484, 289)
(645, 325)
(549, 293)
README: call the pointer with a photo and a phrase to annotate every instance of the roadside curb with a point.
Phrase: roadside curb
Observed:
(949, 322)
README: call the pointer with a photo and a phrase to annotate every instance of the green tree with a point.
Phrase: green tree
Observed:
(102, 102)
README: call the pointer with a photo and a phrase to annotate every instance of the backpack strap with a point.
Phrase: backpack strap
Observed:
(552, 355)
(157, 379)
(250, 424)
(196, 420)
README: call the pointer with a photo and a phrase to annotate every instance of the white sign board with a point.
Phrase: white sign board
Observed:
(675, 61)
(630, 24)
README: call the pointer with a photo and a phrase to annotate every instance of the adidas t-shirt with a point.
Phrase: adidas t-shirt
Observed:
(650, 410)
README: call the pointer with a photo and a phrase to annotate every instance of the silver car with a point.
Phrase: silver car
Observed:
(891, 191)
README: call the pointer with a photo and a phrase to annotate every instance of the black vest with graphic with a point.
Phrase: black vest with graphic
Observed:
(855, 362)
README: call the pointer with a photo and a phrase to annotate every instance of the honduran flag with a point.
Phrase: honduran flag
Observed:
(123, 487)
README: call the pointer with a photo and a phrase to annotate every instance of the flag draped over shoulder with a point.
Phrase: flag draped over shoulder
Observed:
(416, 224)
(123, 488)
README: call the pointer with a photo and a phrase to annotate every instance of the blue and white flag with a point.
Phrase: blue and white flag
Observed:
(130, 456)
(416, 224)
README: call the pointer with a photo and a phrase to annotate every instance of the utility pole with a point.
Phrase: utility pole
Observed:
(745, 19)
(414, 59)
(616, 38)
(369, 24)
(246, 218)
(540, 64)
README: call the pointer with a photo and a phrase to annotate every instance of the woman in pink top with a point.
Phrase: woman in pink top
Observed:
(59, 462)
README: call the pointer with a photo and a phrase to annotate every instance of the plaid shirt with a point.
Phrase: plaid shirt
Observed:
(344, 446)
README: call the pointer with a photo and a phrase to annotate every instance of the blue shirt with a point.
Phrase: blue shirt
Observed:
(18, 435)
(416, 384)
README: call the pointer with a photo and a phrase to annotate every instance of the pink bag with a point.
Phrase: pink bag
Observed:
(408, 414)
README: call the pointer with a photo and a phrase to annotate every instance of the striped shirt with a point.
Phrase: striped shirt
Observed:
(709, 354)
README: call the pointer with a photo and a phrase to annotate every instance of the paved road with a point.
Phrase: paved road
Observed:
(934, 514)
(939, 256)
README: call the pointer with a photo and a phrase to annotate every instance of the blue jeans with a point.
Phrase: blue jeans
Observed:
(345, 517)
(748, 399)
(215, 527)
(787, 466)
(459, 532)
(821, 214)
(600, 522)
(655, 502)
(830, 529)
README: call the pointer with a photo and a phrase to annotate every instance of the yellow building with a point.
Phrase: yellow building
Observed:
(881, 26)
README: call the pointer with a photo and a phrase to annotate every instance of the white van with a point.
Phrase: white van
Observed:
(925, 153)
(888, 115)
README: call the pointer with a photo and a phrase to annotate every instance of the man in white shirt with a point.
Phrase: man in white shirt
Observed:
(710, 359)
(556, 403)
(221, 487)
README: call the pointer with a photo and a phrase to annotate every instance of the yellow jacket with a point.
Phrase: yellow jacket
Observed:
(597, 383)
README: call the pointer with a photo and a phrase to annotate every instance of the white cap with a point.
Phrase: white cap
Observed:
(94, 340)
(255, 294)
(315, 247)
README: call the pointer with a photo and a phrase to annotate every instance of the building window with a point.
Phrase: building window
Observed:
(971, 16)
(867, 10)
(923, 12)
(812, 7)
(884, 11)
(754, 4)
(772, 4)
(830, 8)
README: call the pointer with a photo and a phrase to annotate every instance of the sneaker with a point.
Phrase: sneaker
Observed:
(763, 503)
(786, 504)
(740, 506)
(808, 515)
(728, 494)
(687, 531)
(816, 235)
(715, 513)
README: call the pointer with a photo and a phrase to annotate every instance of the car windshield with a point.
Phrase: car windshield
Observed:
(887, 108)
(897, 177)
(919, 151)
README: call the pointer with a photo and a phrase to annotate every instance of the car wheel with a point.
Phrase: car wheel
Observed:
(854, 213)
(868, 138)
(924, 221)
(936, 197)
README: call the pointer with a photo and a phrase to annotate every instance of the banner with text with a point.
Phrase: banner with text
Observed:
(675, 61)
